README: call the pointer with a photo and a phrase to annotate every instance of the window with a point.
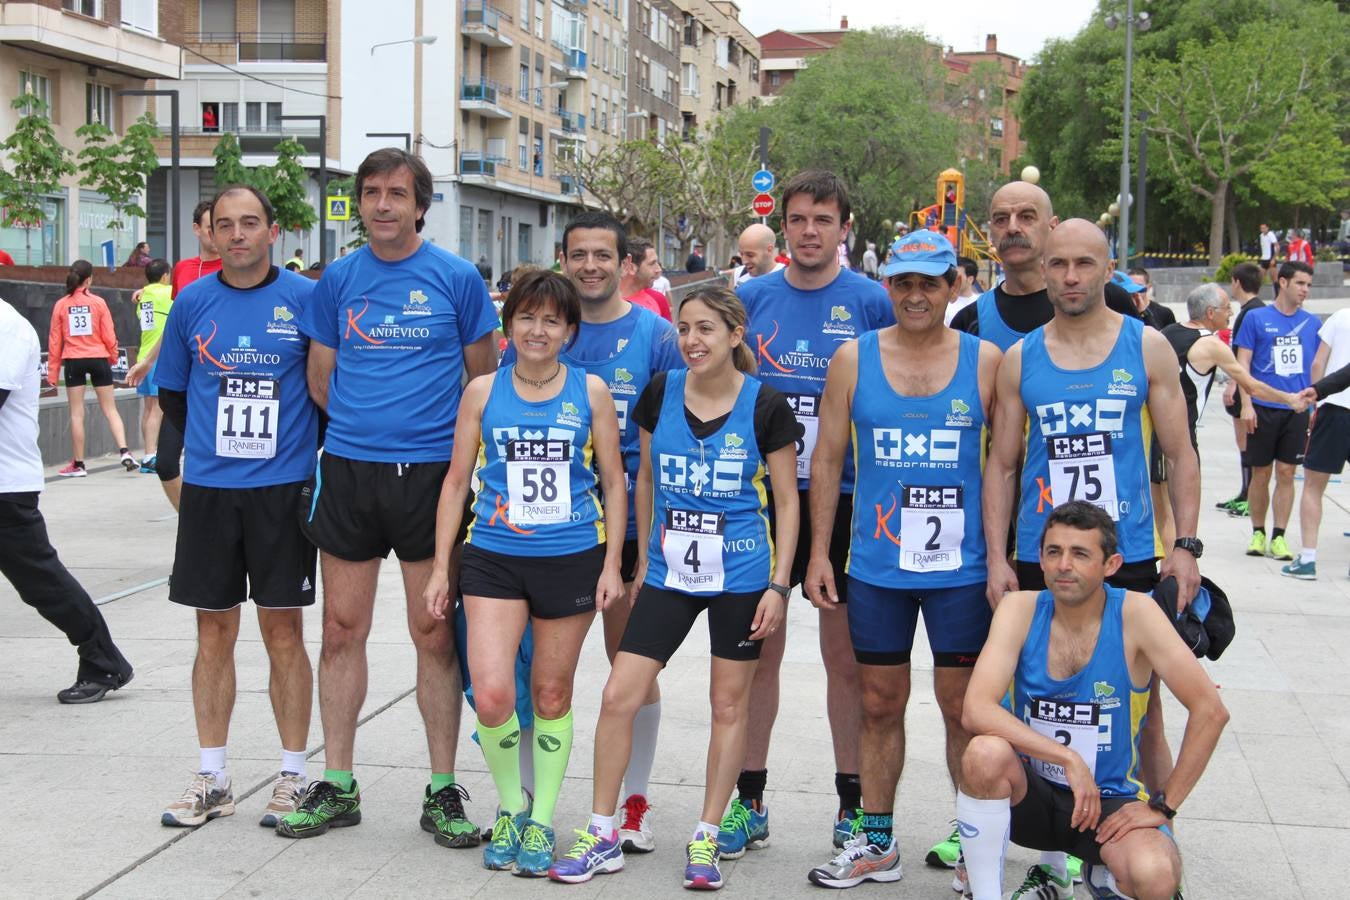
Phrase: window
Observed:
(466, 232)
(218, 18)
(276, 17)
(141, 15)
(539, 18)
(688, 80)
(39, 86)
(754, 68)
(253, 117)
(775, 77)
(98, 104)
(211, 117)
(229, 116)
(91, 8)
(525, 14)
(996, 157)
(723, 51)
(274, 117)
(525, 82)
(996, 126)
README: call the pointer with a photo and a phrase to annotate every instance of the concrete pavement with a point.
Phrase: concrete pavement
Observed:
(84, 785)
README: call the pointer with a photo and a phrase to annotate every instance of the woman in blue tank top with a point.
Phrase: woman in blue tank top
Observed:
(713, 439)
(530, 436)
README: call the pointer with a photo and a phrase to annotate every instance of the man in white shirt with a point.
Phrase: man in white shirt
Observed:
(1270, 251)
(27, 557)
(758, 246)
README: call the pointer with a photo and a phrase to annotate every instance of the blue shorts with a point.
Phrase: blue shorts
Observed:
(147, 387)
(881, 623)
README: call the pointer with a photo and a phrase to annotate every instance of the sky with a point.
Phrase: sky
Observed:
(1022, 28)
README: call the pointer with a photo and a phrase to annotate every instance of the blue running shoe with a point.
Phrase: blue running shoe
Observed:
(847, 828)
(501, 852)
(149, 464)
(536, 850)
(701, 873)
(743, 828)
(591, 855)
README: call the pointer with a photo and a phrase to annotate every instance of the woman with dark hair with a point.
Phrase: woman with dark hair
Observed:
(82, 336)
(533, 433)
(139, 257)
(718, 434)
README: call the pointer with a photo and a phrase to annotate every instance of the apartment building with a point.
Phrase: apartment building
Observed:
(719, 61)
(76, 55)
(990, 102)
(654, 45)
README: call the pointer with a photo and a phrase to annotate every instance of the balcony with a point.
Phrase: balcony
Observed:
(472, 163)
(256, 138)
(481, 96)
(570, 125)
(482, 23)
(55, 33)
(569, 185)
(231, 47)
(576, 63)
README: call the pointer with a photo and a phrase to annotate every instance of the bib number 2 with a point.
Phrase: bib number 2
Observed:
(932, 526)
(1075, 725)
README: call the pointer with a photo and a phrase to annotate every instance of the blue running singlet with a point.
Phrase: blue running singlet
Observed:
(992, 327)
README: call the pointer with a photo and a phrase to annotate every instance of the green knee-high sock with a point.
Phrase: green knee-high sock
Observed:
(552, 748)
(501, 750)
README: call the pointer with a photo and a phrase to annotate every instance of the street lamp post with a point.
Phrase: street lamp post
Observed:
(423, 39)
(420, 39)
(1130, 22)
(323, 181)
(174, 159)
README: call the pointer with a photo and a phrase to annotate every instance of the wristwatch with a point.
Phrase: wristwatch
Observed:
(780, 588)
(1191, 545)
(1158, 802)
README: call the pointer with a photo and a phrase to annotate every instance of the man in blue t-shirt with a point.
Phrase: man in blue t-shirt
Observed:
(1276, 344)
(231, 375)
(393, 328)
(798, 317)
(624, 345)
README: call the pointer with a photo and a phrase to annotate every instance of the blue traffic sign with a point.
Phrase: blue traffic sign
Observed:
(763, 181)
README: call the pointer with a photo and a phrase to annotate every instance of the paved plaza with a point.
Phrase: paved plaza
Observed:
(84, 785)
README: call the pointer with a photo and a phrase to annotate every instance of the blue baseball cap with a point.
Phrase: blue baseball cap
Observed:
(1125, 282)
(924, 252)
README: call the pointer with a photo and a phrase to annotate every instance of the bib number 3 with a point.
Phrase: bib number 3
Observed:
(246, 417)
(1081, 468)
(932, 526)
(538, 481)
(691, 543)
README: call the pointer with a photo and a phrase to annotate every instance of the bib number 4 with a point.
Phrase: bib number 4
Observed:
(691, 543)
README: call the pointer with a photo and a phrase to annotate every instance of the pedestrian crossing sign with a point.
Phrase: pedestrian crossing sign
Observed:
(339, 209)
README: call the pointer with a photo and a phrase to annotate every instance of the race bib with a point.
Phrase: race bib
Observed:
(621, 410)
(1072, 724)
(932, 526)
(539, 481)
(692, 545)
(1081, 468)
(80, 321)
(1288, 355)
(804, 408)
(246, 417)
(147, 313)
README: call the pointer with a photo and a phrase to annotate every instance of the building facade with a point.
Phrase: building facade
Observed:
(77, 55)
(719, 61)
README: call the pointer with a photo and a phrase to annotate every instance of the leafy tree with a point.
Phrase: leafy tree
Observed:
(626, 180)
(284, 183)
(229, 167)
(37, 163)
(1310, 162)
(118, 169)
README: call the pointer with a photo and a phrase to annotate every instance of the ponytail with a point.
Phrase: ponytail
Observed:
(80, 271)
(727, 305)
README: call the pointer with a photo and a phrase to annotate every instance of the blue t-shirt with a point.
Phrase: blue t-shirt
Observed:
(241, 360)
(1282, 348)
(794, 333)
(400, 330)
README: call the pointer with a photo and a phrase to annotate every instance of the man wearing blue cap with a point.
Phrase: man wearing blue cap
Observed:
(916, 540)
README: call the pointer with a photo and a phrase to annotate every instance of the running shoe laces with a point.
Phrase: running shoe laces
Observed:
(449, 801)
(505, 831)
(702, 851)
(534, 840)
(634, 808)
(737, 817)
(586, 842)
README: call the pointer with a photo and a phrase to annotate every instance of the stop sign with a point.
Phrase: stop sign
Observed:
(763, 205)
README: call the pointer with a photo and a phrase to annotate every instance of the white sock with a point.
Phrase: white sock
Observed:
(1307, 556)
(213, 761)
(706, 830)
(645, 726)
(1057, 861)
(601, 825)
(293, 761)
(527, 760)
(984, 828)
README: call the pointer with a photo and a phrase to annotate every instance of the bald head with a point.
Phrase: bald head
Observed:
(1076, 266)
(756, 245)
(1020, 219)
(1078, 235)
(1022, 192)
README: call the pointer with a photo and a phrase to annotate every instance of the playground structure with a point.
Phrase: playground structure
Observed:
(950, 217)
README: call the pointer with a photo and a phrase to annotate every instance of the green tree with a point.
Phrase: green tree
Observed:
(1310, 165)
(284, 183)
(118, 169)
(37, 163)
(230, 167)
(626, 180)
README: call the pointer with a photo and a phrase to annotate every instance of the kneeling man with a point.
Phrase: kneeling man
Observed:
(1060, 771)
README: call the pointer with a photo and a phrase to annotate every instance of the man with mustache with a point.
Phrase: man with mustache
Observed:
(1020, 220)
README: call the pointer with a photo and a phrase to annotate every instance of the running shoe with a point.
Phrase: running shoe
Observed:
(149, 464)
(591, 855)
(945, 854)
(287, 790)
(1041, 883)
(325, 806)
(1227, 504)
(535, 856)
(443, 815)
(73, 470)
(501, 852)
(1074, 866)
(1279, 548)
(205, 799)
(847, 828)
(1257, 545)
(129, 462)
(1240, 510)
(1301, 570)
(1099, 882)
(701, 872)
(858, 862)
(635, 833)
(743, 827)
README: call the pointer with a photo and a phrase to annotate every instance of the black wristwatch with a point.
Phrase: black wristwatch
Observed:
(1158, 802)
(781, 589)
(1191, 545)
